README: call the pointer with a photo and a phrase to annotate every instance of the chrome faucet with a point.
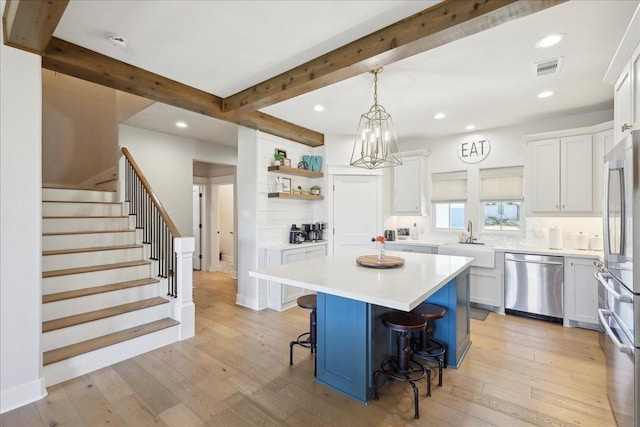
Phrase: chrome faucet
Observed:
(470, 237)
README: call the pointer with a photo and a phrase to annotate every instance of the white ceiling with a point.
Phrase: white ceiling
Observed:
(225, 46)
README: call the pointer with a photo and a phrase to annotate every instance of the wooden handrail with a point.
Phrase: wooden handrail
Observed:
(163, 213)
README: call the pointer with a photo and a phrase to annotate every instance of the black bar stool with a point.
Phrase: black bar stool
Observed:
(402, 367)
(310, 302)
(428, 348)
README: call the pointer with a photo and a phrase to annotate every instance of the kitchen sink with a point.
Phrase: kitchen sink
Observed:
(483, 255)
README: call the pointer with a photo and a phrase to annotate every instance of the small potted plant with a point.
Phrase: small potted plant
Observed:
(315, 190)
(277, 158)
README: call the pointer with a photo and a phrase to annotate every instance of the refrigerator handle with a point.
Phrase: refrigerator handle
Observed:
(622, 347)
(608, 167)
(599, 275)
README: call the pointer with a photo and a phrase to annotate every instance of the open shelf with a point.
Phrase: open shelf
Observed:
(296, 196)
(295, 171)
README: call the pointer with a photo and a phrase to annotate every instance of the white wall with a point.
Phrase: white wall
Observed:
(20, 228)
(167, 162)
(508, 148)
(79, 129)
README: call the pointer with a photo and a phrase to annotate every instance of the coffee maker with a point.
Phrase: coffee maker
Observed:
(314, 232)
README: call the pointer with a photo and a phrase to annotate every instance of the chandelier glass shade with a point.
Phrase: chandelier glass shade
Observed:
(376, 144)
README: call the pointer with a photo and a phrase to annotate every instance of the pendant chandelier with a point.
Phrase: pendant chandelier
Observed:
(376, 145)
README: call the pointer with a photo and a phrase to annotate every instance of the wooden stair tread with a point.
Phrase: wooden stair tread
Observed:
(67, 352)
(67, 271)
(82, 201)
(95, 249)
(53, 187)
(86, 216)
(90, 316)
(65, 233)
(76, 293)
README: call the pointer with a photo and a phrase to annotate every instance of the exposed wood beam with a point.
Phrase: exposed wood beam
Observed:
(29, 24)
(67, 58)
(440, 24)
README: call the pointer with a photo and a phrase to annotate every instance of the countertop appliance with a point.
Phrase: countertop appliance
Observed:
(390, 235)
(403, 233)
(619, 281)
(534, 286)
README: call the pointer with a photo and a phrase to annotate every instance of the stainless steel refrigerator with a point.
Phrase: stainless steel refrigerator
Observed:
(619, 279)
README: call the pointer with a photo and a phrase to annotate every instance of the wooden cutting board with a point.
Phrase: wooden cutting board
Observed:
(373, 261)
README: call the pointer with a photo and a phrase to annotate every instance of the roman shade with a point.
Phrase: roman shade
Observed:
(501, 183)
(449, 187)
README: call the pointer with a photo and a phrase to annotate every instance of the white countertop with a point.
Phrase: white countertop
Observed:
(507, 247)
(282, 246)
(401, 288)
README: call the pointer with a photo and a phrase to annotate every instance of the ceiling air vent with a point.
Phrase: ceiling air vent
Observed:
(550, 66)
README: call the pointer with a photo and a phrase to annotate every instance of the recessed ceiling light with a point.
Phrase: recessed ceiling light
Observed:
(439, 116)
(117, 40)
(318, 108)
(181, 124)
(470, 127)
(549, 41)
(545, 94)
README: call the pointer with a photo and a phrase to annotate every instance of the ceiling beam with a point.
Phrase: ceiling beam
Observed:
(438, 25)
(73, 60)
(29, 24)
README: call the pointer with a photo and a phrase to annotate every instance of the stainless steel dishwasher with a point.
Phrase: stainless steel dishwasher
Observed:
(534, 286)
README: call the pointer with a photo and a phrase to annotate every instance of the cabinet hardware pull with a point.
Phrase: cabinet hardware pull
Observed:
(626, 127)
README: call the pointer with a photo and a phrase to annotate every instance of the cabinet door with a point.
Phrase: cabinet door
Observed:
(576, 174)
(635, 85)
(545, 175)
(485, 287)
(291, 293)
(407, 187)
(316, 252)
(581, 290)
(622, 103)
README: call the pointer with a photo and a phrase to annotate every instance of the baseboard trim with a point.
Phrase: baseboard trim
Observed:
(21, 395)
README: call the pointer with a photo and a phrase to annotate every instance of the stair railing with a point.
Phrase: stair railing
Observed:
(158, 230)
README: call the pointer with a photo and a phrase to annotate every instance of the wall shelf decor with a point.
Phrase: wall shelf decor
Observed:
(295, 171)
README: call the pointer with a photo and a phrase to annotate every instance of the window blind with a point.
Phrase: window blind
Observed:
(502, 183)
(449, 187)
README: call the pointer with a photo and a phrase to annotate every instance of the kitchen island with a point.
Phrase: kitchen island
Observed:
(351, 339)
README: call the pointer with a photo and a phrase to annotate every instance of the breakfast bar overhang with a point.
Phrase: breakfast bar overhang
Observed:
(351, 339)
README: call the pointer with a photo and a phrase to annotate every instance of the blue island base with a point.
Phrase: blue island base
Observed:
(352, 342)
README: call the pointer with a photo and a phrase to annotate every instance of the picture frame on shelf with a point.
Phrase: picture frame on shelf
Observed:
(281, 152)
(286, 162)
(286, 185)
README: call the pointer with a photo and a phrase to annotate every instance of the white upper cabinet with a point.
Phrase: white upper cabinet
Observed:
(560, 175)
(409, 184)
(602, 144)
(635, 88)
(623, 104)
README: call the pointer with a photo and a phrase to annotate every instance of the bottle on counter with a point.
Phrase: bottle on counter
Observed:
(414, 232)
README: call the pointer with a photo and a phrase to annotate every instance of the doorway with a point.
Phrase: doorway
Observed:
(197, 227)
(225, 224)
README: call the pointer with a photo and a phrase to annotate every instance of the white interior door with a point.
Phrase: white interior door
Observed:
(357, 212)
(226, 222)
(197, 226)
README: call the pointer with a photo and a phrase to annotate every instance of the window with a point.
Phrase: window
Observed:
(502, 216)
(501, 198)
(449, 215)
(449, 196)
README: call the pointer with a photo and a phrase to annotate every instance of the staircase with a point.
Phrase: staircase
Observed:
(101, 302)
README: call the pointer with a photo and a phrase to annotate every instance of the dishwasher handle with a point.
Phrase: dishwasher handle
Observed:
(533, 262)
(599, 275)
(622, 347)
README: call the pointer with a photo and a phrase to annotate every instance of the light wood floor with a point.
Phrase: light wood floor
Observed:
(235, 372)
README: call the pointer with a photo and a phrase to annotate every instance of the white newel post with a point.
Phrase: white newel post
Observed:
(121, 175)
(183, 308)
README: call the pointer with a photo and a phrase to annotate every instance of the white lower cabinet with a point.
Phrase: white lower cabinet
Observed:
(486, 288)
(424, 249)
(283, 296)
(580, 293)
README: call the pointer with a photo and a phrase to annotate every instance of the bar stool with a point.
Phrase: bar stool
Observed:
(427, 347)
(402, 367)
(310, 302)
